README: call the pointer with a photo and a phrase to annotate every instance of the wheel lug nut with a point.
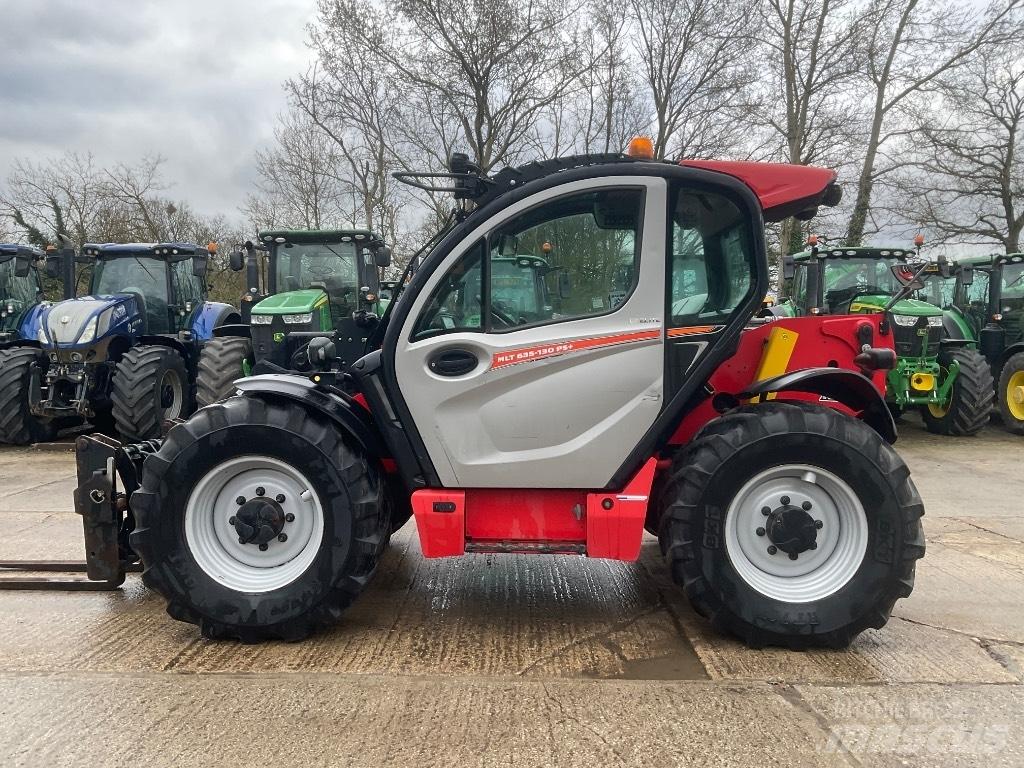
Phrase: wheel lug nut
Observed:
(806, 505)
(818, 524)
(760, 531)
(772, 550)
(283, 538)
(792, 555)
(263, 547)
(231, 520)
(289, 518)
(261, 491)
(241, 540)
(814, 545)
(240, 500)
(279, 498)
(784, 500)
(766, 511)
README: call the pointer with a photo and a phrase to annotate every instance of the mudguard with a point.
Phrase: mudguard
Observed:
(850, 388)
(210, 315)
(341, 409)
(232, 329)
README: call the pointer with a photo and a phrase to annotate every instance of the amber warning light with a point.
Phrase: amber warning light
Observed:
(641, 148)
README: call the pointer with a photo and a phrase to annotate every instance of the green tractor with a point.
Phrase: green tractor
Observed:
(940, 374)
(984, 301)
(302, 285)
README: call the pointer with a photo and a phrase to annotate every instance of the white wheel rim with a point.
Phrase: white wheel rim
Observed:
(841, 540)
(171, 380)
(214, 542)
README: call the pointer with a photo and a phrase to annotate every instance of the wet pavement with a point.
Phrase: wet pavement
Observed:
(542, 660)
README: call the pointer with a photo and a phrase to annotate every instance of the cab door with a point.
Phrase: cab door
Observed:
(505, 400)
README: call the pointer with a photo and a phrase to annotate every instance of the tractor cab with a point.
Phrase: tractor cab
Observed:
(317, 282)
(21, 291)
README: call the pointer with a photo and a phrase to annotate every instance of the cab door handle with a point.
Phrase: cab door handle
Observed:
(452, 362)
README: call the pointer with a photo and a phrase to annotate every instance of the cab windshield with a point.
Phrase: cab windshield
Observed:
(860, 277)
(1013, 281)
(515, 288)
(938, 290)
(131, 274)
(21, 292)
(332, 267)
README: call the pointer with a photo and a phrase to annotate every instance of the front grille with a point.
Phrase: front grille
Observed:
(908, 340)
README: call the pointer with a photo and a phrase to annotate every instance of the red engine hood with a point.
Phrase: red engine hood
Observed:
(784, 190)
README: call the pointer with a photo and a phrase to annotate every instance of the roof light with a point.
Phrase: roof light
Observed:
(547, 247)
(640, 148)
(360, 237)
(918, 239)
(173, 250)
(812, 240)
(211, 247)
(997, 317)
(278, 240)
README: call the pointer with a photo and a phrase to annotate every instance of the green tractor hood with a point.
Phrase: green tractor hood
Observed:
(291, 302)
(911, 307)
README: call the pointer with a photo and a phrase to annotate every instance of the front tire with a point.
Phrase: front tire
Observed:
(187, 521)
(17, 424)
(150, 386)
(838, 497)
(221, 361)
(1011, 394)
(971, 401)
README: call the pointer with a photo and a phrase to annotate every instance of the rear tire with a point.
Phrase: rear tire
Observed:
(191, 549)
(712, 511)
(220, 363)
(970, 402)
(150, 385)
(17, 424)
(1011, 394)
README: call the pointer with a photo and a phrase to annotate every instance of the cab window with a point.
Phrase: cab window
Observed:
(572, 257)
(711, 272)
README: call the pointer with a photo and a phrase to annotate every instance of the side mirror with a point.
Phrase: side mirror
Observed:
(906, 275)
(200, 261)
(788, 267)
(22, 263)
(943, 262)
(383, 256)
(967, 275)
(53, 259)
(236, 260)
(564, 285)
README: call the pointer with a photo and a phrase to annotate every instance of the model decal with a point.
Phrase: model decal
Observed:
(543, 351)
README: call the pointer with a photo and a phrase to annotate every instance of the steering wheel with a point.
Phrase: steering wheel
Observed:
(506, 319)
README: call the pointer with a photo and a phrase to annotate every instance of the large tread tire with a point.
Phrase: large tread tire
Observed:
(1015, 365)
(221, 362)
(136, 396)
(348, 487)
(972, 400)
(729, 451)
(17, 424)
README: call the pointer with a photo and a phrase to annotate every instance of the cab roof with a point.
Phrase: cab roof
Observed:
(9, 250)
(169, 251)
(860, 252)
(320, 235)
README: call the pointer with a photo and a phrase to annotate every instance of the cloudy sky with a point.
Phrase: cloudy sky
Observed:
(196, 81)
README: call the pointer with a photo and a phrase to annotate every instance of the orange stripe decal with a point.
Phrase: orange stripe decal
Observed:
(543, 351)
(692, 330)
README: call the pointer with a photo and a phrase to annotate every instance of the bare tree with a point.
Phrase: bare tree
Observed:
(968, 186)
(913, 43)
(813, 50)
(693, 56)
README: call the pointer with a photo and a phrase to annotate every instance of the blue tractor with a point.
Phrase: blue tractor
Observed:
(122, 358)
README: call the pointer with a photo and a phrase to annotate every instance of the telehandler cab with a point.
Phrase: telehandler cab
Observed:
(782, 509)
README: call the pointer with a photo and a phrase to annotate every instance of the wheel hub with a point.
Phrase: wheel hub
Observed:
(258, 521)
(792, 529)
(1018, 395)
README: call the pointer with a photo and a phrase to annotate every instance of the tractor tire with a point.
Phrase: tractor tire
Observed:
(17, 424)
(150, 386)
(792, 525)
(317, 502)
(1011, 394)
(970, 403)
(221, 361)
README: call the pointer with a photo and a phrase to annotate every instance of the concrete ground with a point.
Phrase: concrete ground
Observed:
(502, 660)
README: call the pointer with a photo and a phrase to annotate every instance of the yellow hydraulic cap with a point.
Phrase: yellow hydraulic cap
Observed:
(922, 382)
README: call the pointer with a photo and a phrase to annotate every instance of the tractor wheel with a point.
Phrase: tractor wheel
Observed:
(221, 361)
(793, 525)
(971, 401)
(257, 521)
(1011, 394)
(150, 386)
(17, 424)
